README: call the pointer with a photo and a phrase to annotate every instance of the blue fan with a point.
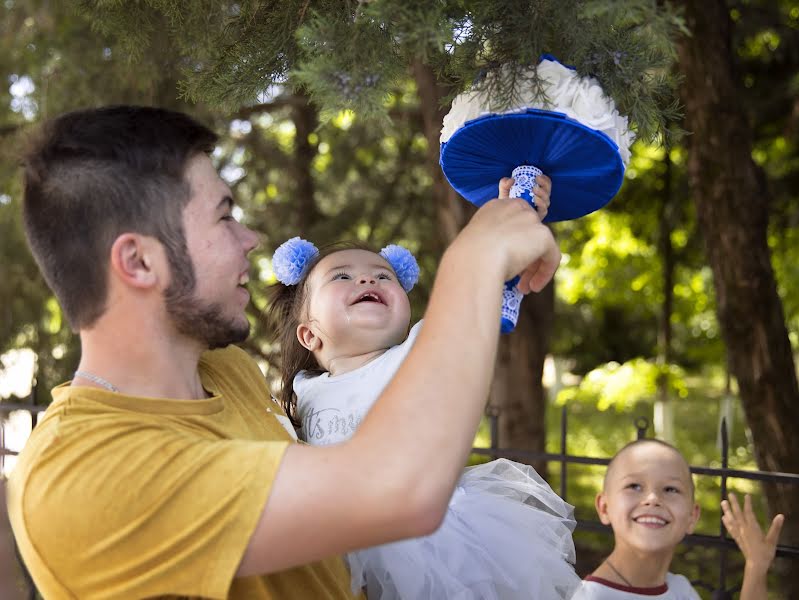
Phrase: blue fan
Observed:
(584, 164)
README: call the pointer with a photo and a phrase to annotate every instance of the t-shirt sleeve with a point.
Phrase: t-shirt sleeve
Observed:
(136, 512)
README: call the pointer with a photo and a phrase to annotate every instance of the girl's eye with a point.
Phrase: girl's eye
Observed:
(384, 276)
(672, 490)
(340, 275)
(634, 486)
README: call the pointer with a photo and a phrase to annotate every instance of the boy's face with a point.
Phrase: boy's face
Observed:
(355, 304)
(648, 499)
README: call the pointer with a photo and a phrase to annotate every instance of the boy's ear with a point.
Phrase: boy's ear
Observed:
(694, 518)
(601, 505)
(133, 259)
(308, 338)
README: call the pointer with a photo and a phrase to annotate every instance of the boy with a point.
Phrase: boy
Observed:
(648, 500)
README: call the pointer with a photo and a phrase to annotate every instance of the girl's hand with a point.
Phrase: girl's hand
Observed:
(742, 525)
(541, 192)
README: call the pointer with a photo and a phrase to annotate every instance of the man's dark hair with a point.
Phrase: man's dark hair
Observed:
(92, 175)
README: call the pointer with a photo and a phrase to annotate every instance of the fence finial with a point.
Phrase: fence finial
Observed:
(641, 424)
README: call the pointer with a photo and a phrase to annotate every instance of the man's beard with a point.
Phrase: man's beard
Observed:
(204, 322)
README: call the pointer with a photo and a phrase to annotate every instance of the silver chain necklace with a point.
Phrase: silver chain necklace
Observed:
(98, 380)
(615, 570)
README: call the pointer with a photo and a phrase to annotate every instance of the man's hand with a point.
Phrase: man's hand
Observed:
(510, 231)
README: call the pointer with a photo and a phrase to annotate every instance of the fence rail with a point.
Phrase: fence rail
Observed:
(720, 590)
(721, 541)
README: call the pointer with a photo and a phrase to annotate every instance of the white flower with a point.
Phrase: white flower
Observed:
(580, 98)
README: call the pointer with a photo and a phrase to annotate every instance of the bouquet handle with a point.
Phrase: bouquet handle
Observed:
(524, 182)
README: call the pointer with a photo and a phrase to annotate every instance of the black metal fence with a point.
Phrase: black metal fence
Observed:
(719, 588)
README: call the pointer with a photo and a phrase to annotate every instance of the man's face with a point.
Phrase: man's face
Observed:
(206, 296)
(648, 499)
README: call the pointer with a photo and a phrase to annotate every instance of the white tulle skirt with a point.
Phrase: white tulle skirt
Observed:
(506, 536)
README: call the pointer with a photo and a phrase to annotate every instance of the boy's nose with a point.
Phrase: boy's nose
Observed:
(366, 279)
(652, 498)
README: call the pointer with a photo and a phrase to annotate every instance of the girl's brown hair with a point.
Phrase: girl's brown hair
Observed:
(286, 310)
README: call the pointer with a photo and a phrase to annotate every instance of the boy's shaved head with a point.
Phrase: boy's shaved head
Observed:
(637, 443)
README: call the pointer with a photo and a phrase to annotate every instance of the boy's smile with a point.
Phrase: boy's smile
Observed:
(648, 499)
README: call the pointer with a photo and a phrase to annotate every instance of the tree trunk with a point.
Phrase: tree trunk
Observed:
(305, 119)
(664, 407)
(732, 207)
(517, 392)
(452, 211)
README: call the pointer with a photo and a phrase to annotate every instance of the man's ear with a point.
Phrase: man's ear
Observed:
(694, 518)
(308, 338)
(601, 505)
(133, 259)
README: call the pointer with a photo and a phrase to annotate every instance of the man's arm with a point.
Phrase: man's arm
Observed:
(758, 550)
(394, 478)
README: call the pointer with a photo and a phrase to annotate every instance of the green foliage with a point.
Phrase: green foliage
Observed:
(358, 75)
(352, 55)
(623, 386)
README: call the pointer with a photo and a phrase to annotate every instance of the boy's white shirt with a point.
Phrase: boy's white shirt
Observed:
(331, 408)
(678, 588)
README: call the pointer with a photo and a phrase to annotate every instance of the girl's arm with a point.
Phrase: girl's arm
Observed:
(758, 550)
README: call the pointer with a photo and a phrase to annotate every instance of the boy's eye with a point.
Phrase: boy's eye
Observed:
(384, 276)
(340, 275)
(672, 490)
(634, 486)
(228, 218)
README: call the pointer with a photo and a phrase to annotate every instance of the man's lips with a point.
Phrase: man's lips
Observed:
(244, 276)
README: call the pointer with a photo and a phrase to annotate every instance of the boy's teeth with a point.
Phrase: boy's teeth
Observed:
(654, 520)
(244, 279)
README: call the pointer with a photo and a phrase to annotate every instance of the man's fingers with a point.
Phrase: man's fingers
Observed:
(505, 184)
(774, 531)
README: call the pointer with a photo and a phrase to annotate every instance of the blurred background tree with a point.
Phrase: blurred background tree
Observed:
(330, 114)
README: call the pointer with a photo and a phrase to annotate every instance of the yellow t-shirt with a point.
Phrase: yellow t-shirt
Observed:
(115, 496)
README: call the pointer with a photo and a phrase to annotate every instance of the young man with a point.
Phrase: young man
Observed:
(165, 469)
(648, 500)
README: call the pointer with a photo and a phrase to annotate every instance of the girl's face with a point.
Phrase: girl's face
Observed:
(355, 305)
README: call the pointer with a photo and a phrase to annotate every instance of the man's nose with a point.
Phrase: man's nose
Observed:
(249, 239)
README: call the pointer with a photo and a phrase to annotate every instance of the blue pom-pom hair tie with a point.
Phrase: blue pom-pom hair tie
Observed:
(404, 265)
(291, 260)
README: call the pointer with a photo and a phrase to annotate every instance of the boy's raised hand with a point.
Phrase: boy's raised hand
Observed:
(742, 525)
